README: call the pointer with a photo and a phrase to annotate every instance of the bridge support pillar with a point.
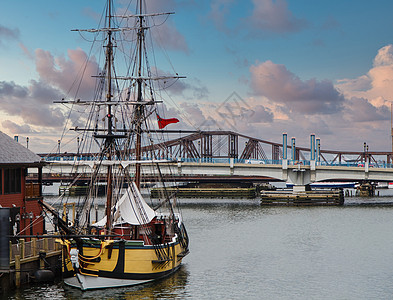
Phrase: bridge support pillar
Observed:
(285, 169)
(300, 177)
(366, 169)
(299, 188)
(312, 171)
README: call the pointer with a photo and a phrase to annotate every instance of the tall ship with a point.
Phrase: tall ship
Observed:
(136, 240)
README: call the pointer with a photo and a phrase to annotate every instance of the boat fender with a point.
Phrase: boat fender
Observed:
(74, 258)
(44, 276)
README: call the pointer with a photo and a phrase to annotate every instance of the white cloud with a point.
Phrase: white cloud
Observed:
(377, 85)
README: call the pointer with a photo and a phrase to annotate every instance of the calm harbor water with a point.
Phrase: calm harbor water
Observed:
(241, 250)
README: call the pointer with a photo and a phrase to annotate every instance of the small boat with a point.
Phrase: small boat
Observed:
(135, 241)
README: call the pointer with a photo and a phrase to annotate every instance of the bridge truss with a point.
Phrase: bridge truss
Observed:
(209, 145)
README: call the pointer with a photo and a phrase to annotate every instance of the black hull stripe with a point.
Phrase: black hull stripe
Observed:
(137, 276)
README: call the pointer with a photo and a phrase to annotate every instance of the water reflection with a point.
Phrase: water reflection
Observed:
(240, 250)
(171, 287)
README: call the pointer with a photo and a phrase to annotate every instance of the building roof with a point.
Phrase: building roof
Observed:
(11, 152)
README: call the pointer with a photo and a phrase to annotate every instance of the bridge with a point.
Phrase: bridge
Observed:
(229, 156)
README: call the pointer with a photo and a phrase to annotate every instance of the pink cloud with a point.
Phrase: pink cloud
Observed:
(281, 86)
(62, 73)
(274, 16)
(26, 51)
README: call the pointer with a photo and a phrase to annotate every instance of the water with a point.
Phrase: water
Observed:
(240, 250)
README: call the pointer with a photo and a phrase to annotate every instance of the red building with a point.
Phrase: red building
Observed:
(26, 213)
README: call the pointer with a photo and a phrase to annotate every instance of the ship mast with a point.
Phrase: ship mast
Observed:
(139, 108)
(109, 139)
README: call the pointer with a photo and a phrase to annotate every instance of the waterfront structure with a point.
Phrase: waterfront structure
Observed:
(15, 160)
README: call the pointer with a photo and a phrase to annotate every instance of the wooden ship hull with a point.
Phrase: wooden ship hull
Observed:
(116, 263)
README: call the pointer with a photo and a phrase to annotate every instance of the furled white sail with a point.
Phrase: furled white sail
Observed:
(133, 209)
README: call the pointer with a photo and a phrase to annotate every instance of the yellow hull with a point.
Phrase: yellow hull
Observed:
(120, 263)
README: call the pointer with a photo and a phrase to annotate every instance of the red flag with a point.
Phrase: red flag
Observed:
(163, 122)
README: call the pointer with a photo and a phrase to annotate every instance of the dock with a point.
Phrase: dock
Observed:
(308, 198)
(36, 260)
(197, 192)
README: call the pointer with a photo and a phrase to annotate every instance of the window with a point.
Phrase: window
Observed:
(12, 181)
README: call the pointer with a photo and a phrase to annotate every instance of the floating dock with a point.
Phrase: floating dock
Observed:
(197, 192)
(308, 198)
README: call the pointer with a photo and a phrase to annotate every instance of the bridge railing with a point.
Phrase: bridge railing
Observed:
(379, 164)
(382, 165)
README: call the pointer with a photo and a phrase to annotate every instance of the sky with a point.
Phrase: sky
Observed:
(257, 67)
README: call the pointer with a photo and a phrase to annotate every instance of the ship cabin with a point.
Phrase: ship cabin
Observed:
(26, 213)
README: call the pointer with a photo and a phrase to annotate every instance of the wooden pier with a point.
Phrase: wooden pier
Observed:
(309, 198)
(28, 257)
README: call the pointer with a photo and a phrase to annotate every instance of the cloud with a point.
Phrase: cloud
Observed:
(194, 112)
(31, 103)
(187, 88)
(261, 115)
(63, 73)
(377, 85)
(26, 51)
(193, 90)
(384, 57)
(361, 110)
(362, 83)
(283, 87)
(279, 101)
(267, 17)
(170, 38)
(8, 34)
(273, 16)
(163, 31)
(17, 129)
(10, 89)
(219, 9)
